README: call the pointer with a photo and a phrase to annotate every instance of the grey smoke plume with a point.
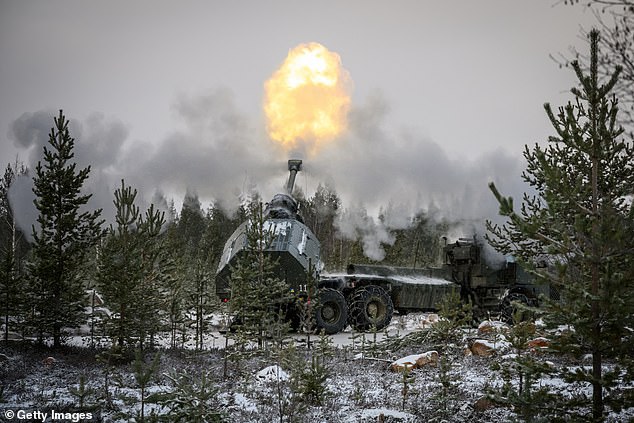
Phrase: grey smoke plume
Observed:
(220, 154)
(374, 167)
(215, 155)
(98, 144)
(355, 224)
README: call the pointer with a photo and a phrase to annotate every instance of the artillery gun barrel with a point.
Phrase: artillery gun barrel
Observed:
(294, 166)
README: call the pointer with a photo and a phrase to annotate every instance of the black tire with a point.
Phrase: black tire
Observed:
(509, 307)
(332, 314)
(370, 307)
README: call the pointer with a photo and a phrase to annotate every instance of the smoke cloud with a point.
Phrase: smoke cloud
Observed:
(217, 153)
(223, 156)
(374, 167)
(98, 144)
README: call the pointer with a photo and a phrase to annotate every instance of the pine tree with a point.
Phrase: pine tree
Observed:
(193, 398)
(143, 375)
(65, 234)
(418, 245)
(175, 291)
(319, 214)
(133, 270)
(196, 267)
(522, 374)
(156, 272)
(119, 268)
(454, 316)
(13, 249)
(580, 224)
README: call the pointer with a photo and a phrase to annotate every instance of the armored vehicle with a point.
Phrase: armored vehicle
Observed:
(294, 247)
(366, 296)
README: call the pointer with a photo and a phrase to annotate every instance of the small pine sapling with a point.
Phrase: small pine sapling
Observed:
(82, 393)
(108, 358)
(313, 386)
(143, 374)
(445, 398)
(521, 374)
(454, 315)
(307, 306)
(192, 399)
(407, 379)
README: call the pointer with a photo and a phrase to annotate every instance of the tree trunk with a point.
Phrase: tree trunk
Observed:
(597, 387)
(57, 335)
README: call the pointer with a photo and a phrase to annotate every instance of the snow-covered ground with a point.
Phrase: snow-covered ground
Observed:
(360, 384)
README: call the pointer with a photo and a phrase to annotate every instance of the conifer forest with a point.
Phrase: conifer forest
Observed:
(119, 314)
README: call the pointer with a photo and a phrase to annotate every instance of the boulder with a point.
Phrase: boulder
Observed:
(415, 361)
(486, 348)
(538, 343)
(490, 326)
(482, 348)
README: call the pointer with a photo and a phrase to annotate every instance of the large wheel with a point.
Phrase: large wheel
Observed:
(332, 314)
(370, 307)
(509, 307)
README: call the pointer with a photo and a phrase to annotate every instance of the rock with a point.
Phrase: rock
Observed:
(482, 348)
(486, 348)
(483, 404)
(415, 361)
(538, 343)
(489, 326)
(430, 357)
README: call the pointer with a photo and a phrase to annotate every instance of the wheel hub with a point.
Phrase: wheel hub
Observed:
(328, 312)
(373, 310)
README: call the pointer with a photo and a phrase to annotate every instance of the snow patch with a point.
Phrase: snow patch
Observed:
(272, 374)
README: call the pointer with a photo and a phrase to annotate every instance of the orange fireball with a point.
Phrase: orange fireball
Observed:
(307, 99)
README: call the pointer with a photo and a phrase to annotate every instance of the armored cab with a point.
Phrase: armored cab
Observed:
(491, 289)
(293, 245)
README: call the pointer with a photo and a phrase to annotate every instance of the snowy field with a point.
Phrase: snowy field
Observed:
(364, 378)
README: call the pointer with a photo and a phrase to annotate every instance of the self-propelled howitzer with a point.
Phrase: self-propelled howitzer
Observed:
(366, 296)
(294, 248)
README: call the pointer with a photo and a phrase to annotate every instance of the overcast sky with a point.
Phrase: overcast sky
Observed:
(168, 95)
